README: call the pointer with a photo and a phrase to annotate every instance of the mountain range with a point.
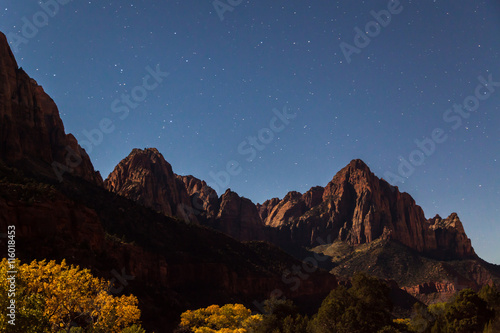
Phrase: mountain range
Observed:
(176, 244)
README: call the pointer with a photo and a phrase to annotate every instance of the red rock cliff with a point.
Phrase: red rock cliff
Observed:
(357, 207)
(239, 218)
(204, 199)
(145, 177)
(31, 130)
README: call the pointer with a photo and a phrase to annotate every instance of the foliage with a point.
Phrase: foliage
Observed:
(51, 297)
(133, 329)
(402, 324)
(230, 318)
(281, 316)
(365, 307)
(468, 311)
(491, 294)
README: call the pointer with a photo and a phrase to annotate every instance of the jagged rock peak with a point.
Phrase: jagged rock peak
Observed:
(239, 217)
(355, 172)
(358, 164)
(146, 177)
(151, 151)
(452, 221)
(451, 236)
(204, 199)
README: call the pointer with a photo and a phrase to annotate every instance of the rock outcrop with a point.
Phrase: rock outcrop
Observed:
(145, 177)
(32, 134)
(204, 200)
(239, 218)
(450, 236)
(357, 207)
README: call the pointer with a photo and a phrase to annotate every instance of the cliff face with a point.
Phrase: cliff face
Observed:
(357, 207)
(450, 235)
(145, 177)
(372, 226)
(239, 218)
(204, 200)
(31, 131)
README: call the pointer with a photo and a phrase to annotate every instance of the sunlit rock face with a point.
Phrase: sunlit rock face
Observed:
(144, 176)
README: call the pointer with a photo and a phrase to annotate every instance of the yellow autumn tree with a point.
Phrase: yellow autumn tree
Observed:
(230, 318)
(53, 297)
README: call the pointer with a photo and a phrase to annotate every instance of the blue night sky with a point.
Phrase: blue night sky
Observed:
(229, 78)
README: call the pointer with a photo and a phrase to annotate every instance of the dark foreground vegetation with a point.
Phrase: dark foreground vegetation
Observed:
(53, 297)
(363, 307)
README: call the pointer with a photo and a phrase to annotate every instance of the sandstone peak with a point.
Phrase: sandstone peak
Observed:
(452, 221)
(146, 177)
(355, 172)
(149, 151)
(358, 164)
(355, 207)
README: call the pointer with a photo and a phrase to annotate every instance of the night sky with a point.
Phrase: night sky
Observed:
(351, 87)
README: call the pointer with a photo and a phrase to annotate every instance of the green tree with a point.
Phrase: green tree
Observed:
(491, 294)
(467, 313)
(365, 307)
(281, 316)
(422, 319)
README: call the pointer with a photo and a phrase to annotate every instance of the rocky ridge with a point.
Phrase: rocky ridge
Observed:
(145, 177)
(355, 207)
